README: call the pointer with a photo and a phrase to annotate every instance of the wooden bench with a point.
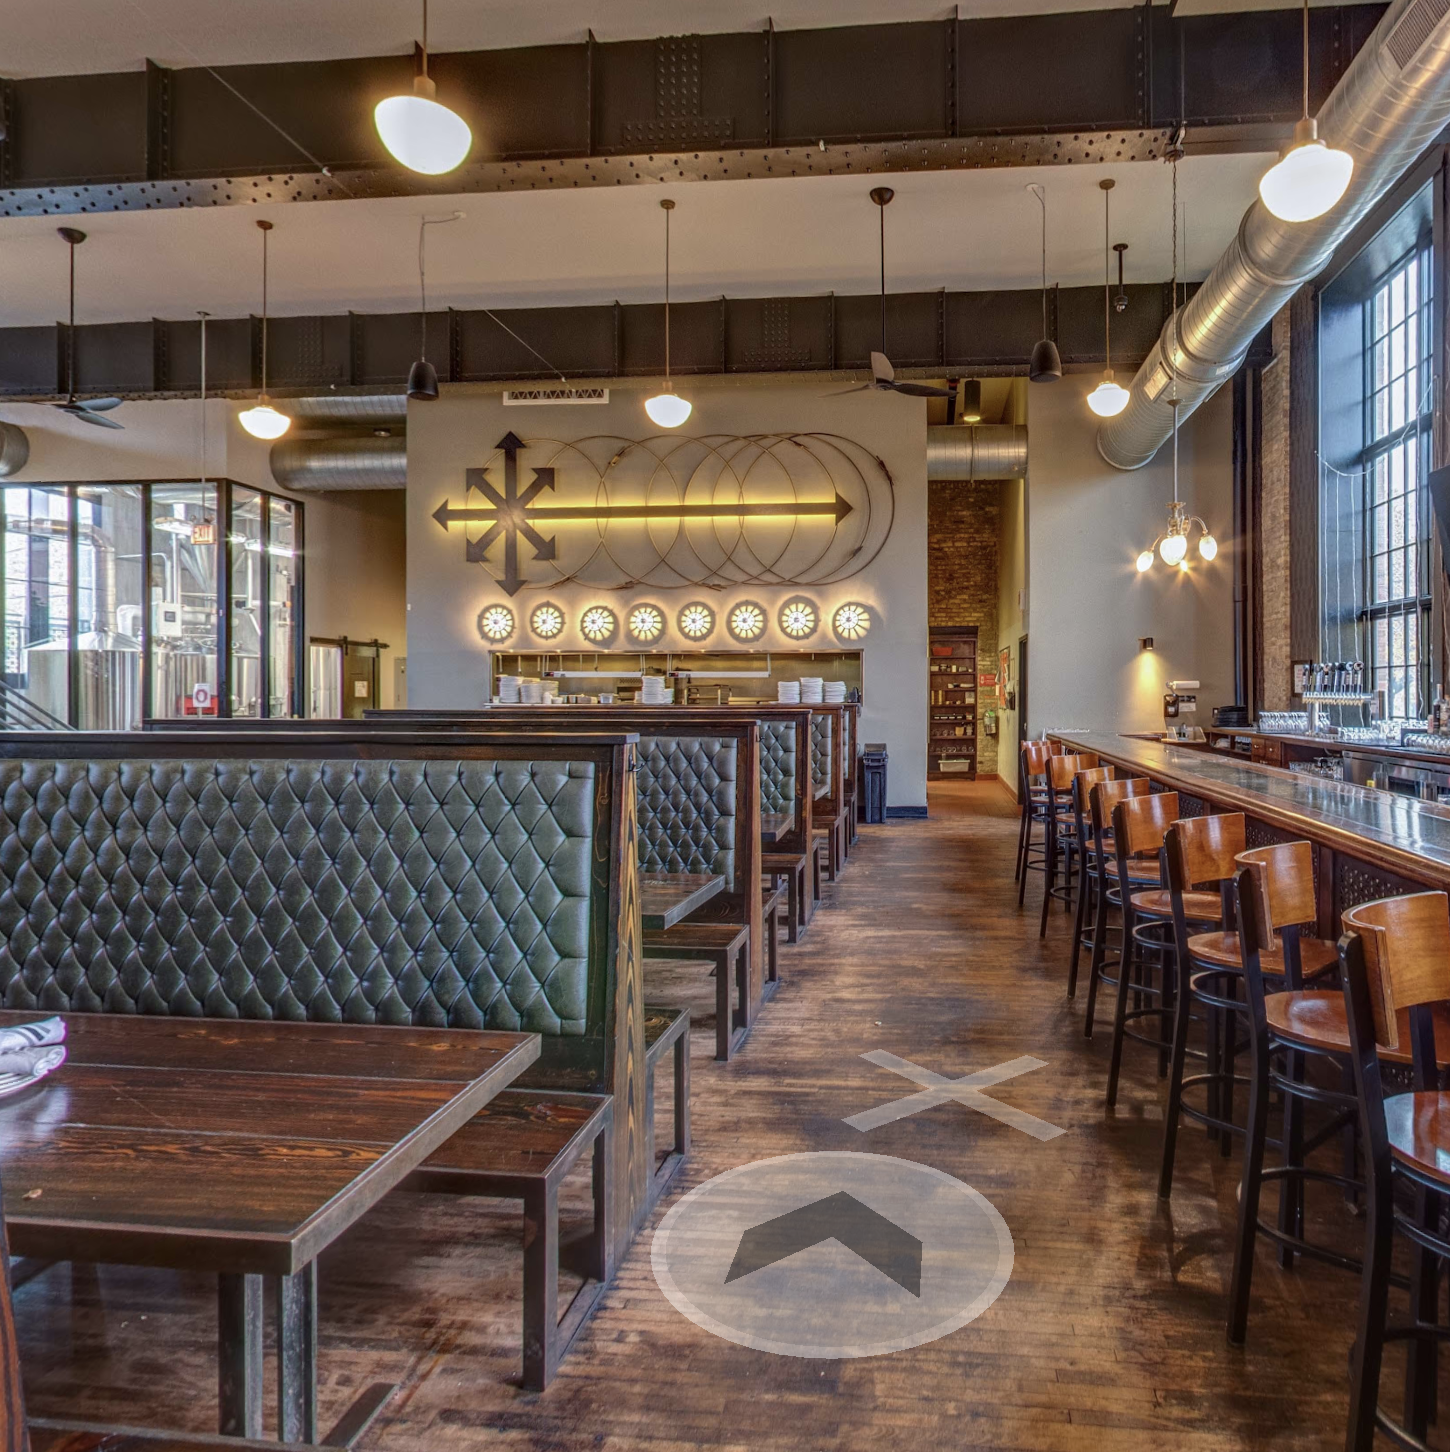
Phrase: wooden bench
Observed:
(774, 906)
(727, 947)
(521, 1147)
(667, 1030)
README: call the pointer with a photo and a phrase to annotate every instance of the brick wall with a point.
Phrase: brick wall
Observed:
(963, 531)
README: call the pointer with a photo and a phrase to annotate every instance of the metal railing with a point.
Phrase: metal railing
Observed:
(19, 713)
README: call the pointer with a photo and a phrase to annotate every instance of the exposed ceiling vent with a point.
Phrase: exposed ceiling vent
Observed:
(520, 396)
(14, 450)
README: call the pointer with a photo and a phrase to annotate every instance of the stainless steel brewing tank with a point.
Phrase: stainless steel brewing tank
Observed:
(108, 680)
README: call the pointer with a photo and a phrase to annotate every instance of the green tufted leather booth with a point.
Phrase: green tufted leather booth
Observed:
(447, 893)
(686, 793)
(777, 764)
(821, 740)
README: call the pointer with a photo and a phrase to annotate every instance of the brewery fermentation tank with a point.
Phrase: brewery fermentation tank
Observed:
(108, 680)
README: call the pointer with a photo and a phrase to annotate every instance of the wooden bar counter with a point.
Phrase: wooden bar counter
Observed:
(1371, 844)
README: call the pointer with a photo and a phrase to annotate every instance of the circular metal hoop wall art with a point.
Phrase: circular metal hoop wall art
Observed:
(726, 510)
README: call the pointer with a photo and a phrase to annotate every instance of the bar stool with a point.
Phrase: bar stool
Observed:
(1103, 873)
(1139, 826)
(1200, 852)
(1395, 963)
(1063, 844)
(1032, 794)
(1274, 895)
(1082, 785)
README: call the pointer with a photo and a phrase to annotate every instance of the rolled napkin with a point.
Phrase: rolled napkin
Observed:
(32, 1035)
(28, 1064)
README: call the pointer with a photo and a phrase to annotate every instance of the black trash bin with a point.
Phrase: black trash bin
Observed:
(872, 783)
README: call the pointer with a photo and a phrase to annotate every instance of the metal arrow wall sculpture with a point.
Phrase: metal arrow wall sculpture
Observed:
(775, 509)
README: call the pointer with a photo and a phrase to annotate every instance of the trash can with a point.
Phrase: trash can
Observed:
(872, 783)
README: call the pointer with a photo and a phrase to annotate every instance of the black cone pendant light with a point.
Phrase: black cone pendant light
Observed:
(1046, 364)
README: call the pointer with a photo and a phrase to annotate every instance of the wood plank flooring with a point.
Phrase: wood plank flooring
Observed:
(1109, 1334)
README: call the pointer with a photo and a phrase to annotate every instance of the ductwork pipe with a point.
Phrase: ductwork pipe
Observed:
(14, 450)
(976, 451)
(1387, 108)
(348, 463)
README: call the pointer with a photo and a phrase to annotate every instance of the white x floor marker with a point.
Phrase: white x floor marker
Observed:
(966, 1091)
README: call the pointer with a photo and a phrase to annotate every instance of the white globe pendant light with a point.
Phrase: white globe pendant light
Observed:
(263, 421)
(1311, 176)
(419, 131)
(666, 408)
(1109, 398)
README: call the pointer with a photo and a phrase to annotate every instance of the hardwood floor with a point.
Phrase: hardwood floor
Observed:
(1109, 1334)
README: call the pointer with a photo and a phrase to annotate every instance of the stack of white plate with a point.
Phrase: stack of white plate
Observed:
(531, 691)
(788, 693)
(835, 693)
(652, 691)
(812, 690)
(508, 691)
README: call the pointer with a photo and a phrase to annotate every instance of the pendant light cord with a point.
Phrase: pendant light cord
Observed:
(1173, 345)
(882, 210)
(423, 224)
(1040, 193)
(425, 37)
(266, 228)
(70, 332)
(668, 207)
(1306, 59)
(1107, 284)
(203, 316)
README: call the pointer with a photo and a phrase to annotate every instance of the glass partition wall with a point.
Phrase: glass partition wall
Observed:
(216, 634)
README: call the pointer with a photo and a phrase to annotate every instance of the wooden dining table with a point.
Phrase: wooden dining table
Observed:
(774, 826)
(665, 898)
(241, 1148)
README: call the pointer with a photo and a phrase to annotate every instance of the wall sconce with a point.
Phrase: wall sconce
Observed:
(799, 618)
(546, 620)
(851, 621)
(747, 622)
(1145, 642)
(646, 624)
(696, 620)
(496, 623)
(598, 624)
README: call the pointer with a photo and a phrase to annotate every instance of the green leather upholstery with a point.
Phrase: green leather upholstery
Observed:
(450, 893)
(777, 765)
(822, 735)
(686, 800)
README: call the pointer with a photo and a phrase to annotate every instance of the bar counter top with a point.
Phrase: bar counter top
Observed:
(1400, 834)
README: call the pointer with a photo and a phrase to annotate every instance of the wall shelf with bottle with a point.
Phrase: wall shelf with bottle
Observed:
(951, 745)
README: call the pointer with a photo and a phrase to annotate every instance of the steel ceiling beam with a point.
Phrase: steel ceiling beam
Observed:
(1022, 91)
(928, 333)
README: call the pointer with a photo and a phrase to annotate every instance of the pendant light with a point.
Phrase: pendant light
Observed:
(1109, 398)
(423, 376)
(1046, 364)
(263, 421)
(667, 408)
(1310, 177)
(422, 134)
(1172, 544)
(972, 401)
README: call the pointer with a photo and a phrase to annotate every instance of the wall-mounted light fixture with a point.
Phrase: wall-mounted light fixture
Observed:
(746, 622)
(646, 624)
(1145, 642)
(799, 618)
(598, 624)
(546, 620)
(851, 621)
(696, 620)
(496, 623)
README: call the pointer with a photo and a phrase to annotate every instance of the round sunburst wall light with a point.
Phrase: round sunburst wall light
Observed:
(598, 624)
(546, 620)
(496, 623)
(799, 618)
(645, 623)
(696, 620)
(746, 622)
(851, 621)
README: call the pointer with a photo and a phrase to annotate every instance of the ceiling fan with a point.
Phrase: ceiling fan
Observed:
(92, 410)
(883, 375)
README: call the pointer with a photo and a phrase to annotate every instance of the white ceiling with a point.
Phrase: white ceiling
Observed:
(69, 37)
(960, 230)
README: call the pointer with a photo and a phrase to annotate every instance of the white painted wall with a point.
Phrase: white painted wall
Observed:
(355, 555)
(1088, 605)
(1011, 616)
(447, 661)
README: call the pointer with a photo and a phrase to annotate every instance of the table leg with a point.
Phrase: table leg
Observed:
(239, 1355)
(297, 1356)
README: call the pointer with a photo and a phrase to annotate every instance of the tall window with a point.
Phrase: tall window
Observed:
(1398, 339)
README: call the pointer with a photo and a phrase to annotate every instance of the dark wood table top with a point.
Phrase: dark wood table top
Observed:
(775, 825)
(227, 1145)
(666, 897)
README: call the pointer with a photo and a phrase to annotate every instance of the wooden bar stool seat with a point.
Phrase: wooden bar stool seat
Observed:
(1319, 1020)
(1223, 950)
(1100, 890)
(1419, 1129)
(1064, 842)
(1198, 907)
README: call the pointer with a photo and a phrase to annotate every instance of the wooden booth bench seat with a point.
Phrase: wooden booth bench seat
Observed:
(425, 879)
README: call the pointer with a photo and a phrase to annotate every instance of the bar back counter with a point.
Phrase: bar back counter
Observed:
(1368, 844)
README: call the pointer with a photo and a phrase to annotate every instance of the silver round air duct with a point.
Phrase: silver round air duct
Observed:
(341, 463)
(14, 450)
(976, 451)
(1387, 108)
